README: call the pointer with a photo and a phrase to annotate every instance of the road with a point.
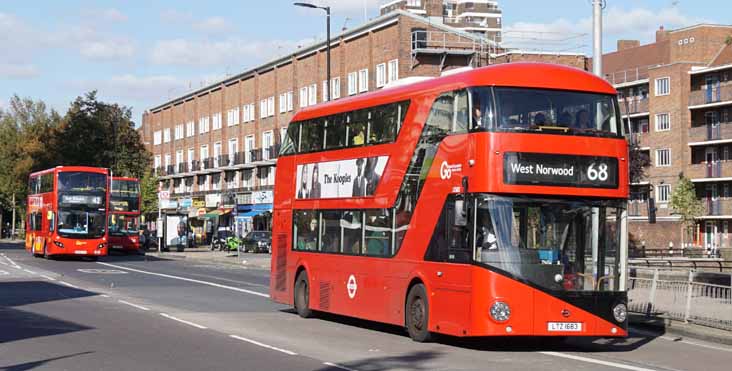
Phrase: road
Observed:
(134, 312)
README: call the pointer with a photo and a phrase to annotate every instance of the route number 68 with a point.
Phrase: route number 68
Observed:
(599, 173)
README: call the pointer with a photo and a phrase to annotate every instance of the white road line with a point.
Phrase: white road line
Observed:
(339, 366)
(596, 361)
(68, 284)
(263, 345)
(29, 271)
(189, 280)
(676, 340)
(133, 305)
(48, 277)
(184, 321)
(4, 263)
(3, 273)
(104, 296)
(12, 262)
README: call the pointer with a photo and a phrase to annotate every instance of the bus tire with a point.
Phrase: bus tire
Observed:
(417, 314)
(302, 296)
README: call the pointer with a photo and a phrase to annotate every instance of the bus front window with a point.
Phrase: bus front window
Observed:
(80, 223)
(559, 245)
(123, 225)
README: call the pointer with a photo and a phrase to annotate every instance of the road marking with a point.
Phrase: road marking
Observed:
(596, 361)
(68, 284)
(2, 273)
(29, 271)
(102, 271)
(183, 321)
(263, 345)
(48, 277)
(12, 262)
(676, 340)
(189, 280)
(105, 296)
(133, 305)
(339, 366)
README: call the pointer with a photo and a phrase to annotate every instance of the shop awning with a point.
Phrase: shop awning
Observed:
(250, 214)
(216, 213)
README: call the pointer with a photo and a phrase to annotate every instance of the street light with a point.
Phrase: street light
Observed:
(327, 42)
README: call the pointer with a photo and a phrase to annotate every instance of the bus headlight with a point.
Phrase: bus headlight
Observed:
(59, 244)
(620, 312)
(500, 311)
(101, 246)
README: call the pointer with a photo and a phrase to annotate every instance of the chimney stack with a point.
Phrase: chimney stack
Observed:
(661, 34)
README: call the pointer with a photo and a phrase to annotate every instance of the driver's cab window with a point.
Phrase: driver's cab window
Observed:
(450, 239)
(450, 114)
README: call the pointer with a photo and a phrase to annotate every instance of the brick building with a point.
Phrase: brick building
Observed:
(215, 148)
(482, 17)
(677, 94)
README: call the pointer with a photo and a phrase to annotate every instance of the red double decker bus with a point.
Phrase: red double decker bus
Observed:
(124, 214)
(67, 212)
(489, 202)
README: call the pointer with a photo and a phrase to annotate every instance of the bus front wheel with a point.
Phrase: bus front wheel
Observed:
(417, 314)
(302, 296)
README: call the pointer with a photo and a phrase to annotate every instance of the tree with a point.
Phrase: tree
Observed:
(95, 133)
(685, 203)
(149, 193)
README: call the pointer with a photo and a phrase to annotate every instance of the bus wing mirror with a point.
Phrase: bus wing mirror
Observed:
(651, 210)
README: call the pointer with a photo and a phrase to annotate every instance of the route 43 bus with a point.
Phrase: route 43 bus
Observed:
(124, 214)
(489, 202)
(67, 212)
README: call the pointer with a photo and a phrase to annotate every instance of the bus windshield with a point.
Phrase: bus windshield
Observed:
(560, 245)
(123, 225)
(125, 196)
(556, 111)
(79, 223)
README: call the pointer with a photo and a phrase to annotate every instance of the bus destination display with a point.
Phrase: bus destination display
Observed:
(560, 170)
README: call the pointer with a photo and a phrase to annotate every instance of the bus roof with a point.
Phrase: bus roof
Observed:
(520, 74)
(125, 178)
(90, 169)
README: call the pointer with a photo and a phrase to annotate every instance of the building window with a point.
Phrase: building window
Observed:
(663, 122)
(178, 132)
(363, 80)
(393, 73)
(217, 121)
(289, 101)
(203, 125)
(190, 128)
(325, 90)
(166, 135)
(283, 103)
(663, 193)
(232, 117)
(313, 94)
(270, 106)
(352, 83)
(725, 153)
(663, 157)
(157, 137)
(663, 86)
(303, 97)
(191, 155)
(725, 190)
(262, 108)
(156, 164)
(380, 75)
(335, 88)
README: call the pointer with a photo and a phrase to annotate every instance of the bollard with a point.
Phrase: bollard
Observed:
(652, 296)
(690, 289)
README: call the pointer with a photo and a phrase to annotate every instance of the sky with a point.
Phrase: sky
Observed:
(141, 54)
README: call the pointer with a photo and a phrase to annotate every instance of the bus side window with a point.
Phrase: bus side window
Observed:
(51, 221)
(449, 242)
(335, 132)
(305, 224)
(356, 122)
(384, 123)
(311, 136)
(377, 234)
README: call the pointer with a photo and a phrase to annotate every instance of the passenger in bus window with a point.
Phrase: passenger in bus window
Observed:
(583, 120)
(358, 139)
(539, 119)
(565, 119)
(315, 185)
(485, 238)
(309, 238)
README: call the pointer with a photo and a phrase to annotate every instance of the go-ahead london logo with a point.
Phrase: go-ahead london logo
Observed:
(446, 170)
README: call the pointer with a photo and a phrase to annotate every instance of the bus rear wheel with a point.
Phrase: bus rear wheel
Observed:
(417, 314)
(302, 296)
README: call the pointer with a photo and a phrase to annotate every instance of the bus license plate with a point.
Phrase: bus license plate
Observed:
(116, 246)
(565, 326)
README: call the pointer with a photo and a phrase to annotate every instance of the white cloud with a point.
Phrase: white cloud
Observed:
(175, 16)
(106, 15)
(213, 25)
(182, 52)
(637, 23)
(129, 87)
(107, 49)
(18, 71)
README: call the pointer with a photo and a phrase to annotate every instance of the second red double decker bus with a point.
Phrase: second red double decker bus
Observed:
(124, 214)
(67, 212)
(489, 202)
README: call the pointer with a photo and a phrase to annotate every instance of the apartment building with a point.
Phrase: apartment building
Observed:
(677, 95)
(482, 17)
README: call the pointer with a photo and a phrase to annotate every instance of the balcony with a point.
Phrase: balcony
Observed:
(641, 140)
(195, 165)
(627, 76)
(635, 106)
(713, 95)
(706, 133)
(223, 161)
(169, 170)
(705, 172)
(182, 168)
(208, 163)
(713, 207)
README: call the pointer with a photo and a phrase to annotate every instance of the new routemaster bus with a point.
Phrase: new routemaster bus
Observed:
(67, 212)
(124, 214)
(488, 202)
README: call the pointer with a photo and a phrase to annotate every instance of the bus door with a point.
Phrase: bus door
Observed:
(448, 269)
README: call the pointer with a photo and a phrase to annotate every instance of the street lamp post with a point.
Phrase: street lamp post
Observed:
(327, 42)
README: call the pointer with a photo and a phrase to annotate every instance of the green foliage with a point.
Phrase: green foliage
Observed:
(685, 203)
(149, 193)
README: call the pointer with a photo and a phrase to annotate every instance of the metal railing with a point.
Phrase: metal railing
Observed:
(632, 74)
(680, 299)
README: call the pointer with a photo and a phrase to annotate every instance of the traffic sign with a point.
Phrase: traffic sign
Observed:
(164, 195)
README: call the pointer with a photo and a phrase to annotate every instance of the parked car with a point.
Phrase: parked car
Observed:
(257, 241)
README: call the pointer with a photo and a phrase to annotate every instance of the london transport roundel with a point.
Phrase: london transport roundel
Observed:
(352, 286)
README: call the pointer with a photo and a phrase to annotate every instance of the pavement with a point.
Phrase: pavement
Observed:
(203, 253)
(165, 312)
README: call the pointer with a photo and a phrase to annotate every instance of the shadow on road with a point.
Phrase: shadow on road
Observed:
(34, 364)
(410, 361)
(18, 324)
(504, 343)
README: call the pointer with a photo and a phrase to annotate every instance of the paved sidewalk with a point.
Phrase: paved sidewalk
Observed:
(249, 260)
(666, 326)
